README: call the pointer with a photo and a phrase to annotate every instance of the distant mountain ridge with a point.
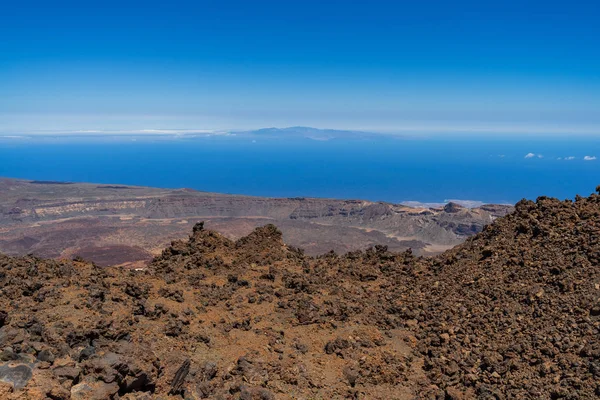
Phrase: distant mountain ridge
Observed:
(309, 132)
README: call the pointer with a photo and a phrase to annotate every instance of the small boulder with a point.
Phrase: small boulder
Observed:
(94, 391)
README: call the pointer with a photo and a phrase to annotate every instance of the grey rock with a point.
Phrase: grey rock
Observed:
(16, 374)
(46, 355)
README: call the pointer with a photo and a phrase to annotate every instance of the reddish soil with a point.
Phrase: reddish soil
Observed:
(105, 256)
(514, 312)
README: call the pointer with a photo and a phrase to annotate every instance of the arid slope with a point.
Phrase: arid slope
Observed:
(511, 313)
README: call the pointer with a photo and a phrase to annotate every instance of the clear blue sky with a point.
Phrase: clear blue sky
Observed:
(442, 65)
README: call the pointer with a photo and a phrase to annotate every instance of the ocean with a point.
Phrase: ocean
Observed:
(393, 169)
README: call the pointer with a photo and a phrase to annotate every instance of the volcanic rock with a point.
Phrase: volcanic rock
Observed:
(511, 313)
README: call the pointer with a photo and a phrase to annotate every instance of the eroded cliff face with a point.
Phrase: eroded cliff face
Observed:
(72, 209)
(33, 214)
(511, 313)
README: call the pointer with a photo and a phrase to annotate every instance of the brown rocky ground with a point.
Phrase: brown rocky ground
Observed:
(514, 312)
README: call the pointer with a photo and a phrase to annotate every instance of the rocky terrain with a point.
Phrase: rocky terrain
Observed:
(514, 312)
(115, 224)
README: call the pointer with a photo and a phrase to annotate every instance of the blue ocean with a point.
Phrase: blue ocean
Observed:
(393, 169)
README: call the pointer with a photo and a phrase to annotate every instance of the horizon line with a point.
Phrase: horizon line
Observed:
(415, 129)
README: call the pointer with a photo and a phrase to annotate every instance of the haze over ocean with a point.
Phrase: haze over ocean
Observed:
(491, 170)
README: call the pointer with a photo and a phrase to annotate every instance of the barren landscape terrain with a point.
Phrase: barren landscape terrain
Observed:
(115, 224)
(511, 313)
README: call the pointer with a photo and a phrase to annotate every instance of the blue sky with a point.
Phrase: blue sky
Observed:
(460, 66)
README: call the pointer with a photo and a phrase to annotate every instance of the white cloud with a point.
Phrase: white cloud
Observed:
(569, 158)
(589, 158)
(125, 132)
(533, 155)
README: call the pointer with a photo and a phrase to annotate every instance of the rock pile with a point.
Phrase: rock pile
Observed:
(512, 313)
